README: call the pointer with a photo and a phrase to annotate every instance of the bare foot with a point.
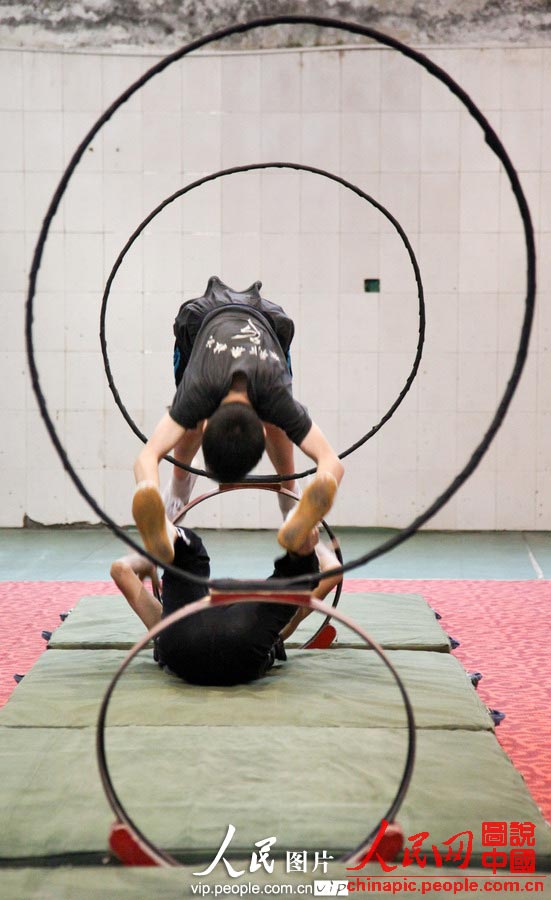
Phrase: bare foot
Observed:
(315, 502)
(309, 544)
(149, 514)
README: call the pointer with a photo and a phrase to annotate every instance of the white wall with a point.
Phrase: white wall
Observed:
(368, 114)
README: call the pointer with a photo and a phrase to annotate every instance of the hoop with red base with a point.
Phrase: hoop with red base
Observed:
(326, 633)
(131, 845)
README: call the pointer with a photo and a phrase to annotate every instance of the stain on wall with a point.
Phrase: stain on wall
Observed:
(166, 24)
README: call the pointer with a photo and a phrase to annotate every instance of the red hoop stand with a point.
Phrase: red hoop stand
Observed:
(128, 849)
(131, 852)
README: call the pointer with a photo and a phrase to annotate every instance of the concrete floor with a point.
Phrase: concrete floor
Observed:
(67, 554)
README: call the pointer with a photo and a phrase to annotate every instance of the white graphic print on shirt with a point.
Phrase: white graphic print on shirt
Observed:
(249, 331)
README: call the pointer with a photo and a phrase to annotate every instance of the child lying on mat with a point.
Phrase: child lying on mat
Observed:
(224, 645)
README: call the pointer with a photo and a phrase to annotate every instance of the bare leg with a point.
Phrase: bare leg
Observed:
(128, 574)
(327, 560)
(178, 490)
(280, 451)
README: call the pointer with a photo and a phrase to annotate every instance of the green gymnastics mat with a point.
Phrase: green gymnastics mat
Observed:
(337, 687)
(396, 621)
(312, 788)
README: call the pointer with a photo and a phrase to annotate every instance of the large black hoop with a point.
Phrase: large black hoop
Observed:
(494, 144)
(161, 857)
(250, 168)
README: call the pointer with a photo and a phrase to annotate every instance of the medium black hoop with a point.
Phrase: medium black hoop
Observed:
(278, 489)
(251, 168)
(161, 857)
(495, 146)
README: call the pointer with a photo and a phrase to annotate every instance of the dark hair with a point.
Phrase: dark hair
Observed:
(233, 442)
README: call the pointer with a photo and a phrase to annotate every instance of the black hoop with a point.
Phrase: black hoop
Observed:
(251, 168)
(278, 489)
(163, 858)
(494, 144)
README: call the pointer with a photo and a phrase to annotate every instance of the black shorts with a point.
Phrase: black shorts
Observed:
(222, 645)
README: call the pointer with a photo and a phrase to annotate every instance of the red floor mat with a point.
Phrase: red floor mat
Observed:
(504, 628)
(505, 632)
(26, 609)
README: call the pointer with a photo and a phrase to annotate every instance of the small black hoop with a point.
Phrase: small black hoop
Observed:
(278, 489)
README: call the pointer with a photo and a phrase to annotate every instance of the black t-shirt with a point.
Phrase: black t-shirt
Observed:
(238, 339)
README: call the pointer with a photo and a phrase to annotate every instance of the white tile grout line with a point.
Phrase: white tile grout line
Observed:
(535, 565)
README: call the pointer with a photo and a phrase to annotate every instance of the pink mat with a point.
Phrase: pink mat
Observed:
(504, 628)
(26, 609)
(505, 632)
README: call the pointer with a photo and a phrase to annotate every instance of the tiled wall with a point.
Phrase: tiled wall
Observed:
(369, 115)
